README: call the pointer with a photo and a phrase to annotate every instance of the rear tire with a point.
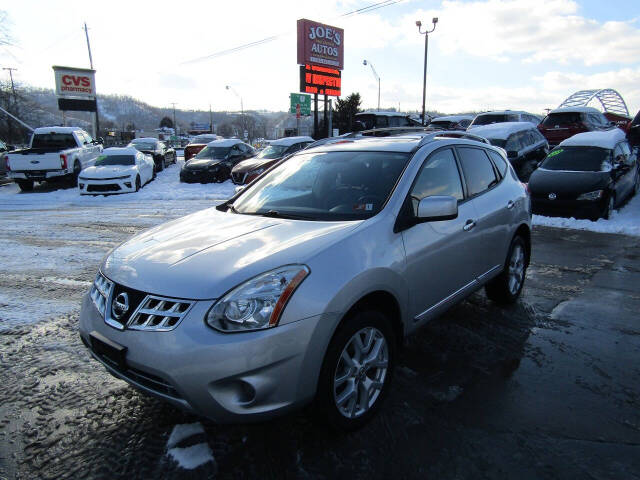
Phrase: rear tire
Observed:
(506, 287)
(76, 173)
(25, 185)
(357, 370)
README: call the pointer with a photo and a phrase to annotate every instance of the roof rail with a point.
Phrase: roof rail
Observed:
(452, 134)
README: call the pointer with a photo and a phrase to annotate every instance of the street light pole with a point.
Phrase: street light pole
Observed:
(426, 50)
(175, 125)
(375, 74)
(229, 87)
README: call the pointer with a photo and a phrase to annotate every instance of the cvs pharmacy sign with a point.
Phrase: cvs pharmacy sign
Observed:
(75, 82)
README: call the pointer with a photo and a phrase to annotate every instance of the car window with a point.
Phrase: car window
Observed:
(500, 162)
(394, 122)
(465, 123)
(438, 176)
(513, 143)
(87, 137)
(382, 122)
(627, 151)
(477, 168)
(403, 121)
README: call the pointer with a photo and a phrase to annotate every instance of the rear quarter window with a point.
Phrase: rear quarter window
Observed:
(501, 163)
(478, 170)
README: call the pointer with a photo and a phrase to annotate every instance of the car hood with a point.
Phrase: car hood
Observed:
(205, 254)
(109, 171)
(201, 163)
(557, 181)
(253, 164)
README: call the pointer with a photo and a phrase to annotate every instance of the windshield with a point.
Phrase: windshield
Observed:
(272, 151)
(143, 145)
(218, 153)
(325, 186)
(578, 159)
(497, 142)
(444, 124)
(495, 118)
(203, 139)
(563, 118)
(53, 140)
(104, 160)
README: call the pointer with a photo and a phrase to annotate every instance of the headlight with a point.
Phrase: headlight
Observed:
(258, 303)
(595, 195)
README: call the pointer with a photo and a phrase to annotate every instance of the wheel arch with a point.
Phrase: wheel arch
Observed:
(524, 231)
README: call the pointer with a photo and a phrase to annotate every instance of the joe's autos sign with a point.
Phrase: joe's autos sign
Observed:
(320, 44)
(75, 82)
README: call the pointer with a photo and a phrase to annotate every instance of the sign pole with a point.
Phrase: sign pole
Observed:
(326, 122)
(315, 116)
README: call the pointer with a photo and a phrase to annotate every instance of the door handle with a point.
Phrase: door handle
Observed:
(469, 225)
(510, 204)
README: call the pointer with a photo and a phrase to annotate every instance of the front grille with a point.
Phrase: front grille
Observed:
(100, 291)
(134, 297)
(108, 187)
(159, 314)
(238, 178)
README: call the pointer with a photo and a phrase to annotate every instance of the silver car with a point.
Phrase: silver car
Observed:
(303, 286)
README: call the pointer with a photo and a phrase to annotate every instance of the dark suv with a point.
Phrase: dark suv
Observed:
(563, 123)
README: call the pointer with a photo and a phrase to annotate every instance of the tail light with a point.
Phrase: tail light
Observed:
(63, 161)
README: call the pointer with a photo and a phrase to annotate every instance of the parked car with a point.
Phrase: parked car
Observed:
(117, 170)
(54, 153)
(162, 155)
(197, 143)
(377, 119)
(305, 283)
(524, 144)
(587, 175)
(633, 133)
(451, 122)
(247, 170)
(502, 116)
(214, 162)
(565, 122)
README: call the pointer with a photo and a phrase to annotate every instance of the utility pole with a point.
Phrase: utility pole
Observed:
(15, 102)
(426, 51)
(210, 120)
(86, 33)
(175, 126)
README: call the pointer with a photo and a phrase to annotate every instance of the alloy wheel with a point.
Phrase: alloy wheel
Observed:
(361, 371)
(516, 269)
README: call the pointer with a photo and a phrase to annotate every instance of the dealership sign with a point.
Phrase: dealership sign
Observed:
(320, 44)
(75, 82)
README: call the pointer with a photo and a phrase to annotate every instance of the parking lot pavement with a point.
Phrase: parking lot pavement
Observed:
(546, 388)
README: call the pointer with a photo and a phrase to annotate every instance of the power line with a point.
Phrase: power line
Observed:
(359, 11)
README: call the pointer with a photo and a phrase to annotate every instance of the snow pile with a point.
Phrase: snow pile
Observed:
(166, 186)
(193, 456)
(626, 220)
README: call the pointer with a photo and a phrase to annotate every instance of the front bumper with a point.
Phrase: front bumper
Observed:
(202, 176)
(228, 378)
(108, 186)
(567, 208)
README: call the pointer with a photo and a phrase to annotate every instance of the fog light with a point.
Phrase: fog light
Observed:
(81, 185)
(127, 184)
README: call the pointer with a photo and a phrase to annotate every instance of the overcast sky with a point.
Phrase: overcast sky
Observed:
(484, 54)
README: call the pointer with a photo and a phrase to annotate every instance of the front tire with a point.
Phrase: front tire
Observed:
(138, 186)
(25, 185)
(357, 370)
(506, 287)
(609, 207)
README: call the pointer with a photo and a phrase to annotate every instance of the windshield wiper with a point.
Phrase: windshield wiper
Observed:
(277, 214)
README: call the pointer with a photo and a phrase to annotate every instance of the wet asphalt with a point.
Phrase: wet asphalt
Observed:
(543, 389)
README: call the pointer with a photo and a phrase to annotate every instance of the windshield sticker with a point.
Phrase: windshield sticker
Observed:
(554, 153)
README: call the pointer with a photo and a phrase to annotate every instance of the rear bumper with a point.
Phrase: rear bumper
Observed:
(37, 175)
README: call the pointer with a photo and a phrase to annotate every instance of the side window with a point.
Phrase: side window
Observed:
(438, 176)
(477, 169)
(531, 138)
(500, 162)
(87, 137)
(394, 122)
(81, 137)
(627, 152)
(381, 122)
(465, 123)
(512, 143)
(403, 122)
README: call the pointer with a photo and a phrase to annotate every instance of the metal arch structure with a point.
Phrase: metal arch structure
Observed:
(610, 100)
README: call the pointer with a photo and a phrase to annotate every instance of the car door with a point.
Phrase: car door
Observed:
(493, 209)
(439, 254)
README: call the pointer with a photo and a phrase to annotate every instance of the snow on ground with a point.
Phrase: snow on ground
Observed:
(625, 220)
(192, 456)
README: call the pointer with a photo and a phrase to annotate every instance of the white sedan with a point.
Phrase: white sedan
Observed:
(117, 170)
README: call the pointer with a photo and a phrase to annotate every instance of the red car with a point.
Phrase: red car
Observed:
(563, 123)
(197, 144)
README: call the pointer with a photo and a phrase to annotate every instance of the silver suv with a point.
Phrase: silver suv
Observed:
(303, 285)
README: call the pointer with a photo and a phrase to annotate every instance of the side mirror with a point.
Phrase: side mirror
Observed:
(437, 207)
(512, 154)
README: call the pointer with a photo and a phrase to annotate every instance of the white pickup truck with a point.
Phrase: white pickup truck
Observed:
(55, 153)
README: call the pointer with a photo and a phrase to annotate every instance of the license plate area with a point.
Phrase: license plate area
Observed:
(109, 351)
